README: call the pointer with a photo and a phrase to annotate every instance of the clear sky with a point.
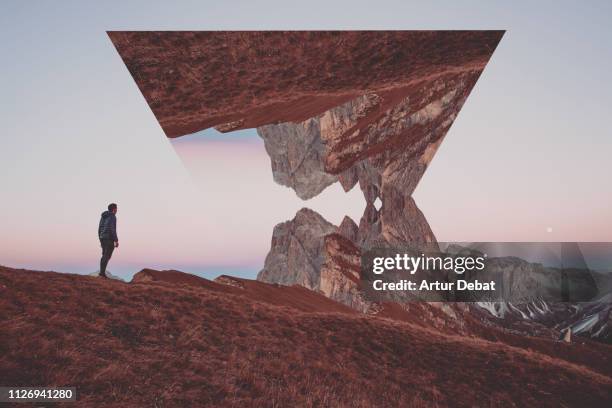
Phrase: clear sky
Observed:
(528, 158)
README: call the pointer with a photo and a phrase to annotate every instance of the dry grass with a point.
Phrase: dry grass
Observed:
(196, 80)
(159, 345)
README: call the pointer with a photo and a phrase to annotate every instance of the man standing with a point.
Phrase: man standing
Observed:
(107, 232)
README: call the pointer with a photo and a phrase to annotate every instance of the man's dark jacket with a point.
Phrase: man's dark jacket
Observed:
(108, 226)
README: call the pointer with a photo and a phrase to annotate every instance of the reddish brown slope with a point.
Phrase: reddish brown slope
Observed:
(155, 344)
(194, 80)
(296, 297)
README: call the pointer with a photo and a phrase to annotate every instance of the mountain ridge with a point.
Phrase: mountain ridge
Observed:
(120, 343)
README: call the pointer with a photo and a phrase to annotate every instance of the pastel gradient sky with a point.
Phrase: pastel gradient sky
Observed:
(528, 158)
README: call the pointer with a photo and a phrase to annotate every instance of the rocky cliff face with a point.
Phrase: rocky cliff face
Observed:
(298, 251)
(367, 107)
(383, 139)
(312, 252)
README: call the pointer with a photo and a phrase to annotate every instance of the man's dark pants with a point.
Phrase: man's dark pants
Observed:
(108, 246)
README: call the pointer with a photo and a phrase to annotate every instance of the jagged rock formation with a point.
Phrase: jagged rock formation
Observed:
(309, 251)
(381, 140)
(366, 106)
(593, 319)
(398, 222)
(587, 319)
(297, 252)
(312, 252)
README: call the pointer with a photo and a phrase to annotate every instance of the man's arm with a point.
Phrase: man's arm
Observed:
(100, 227)
(113, 226)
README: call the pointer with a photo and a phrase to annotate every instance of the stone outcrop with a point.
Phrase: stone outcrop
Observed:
(399, 222)
(381, 140)
(297, 155)
(312, 252)
(297, 251)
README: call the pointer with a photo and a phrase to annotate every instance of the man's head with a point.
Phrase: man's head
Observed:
(112, 208)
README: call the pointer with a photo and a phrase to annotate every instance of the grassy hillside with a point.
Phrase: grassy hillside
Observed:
(177, 342)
